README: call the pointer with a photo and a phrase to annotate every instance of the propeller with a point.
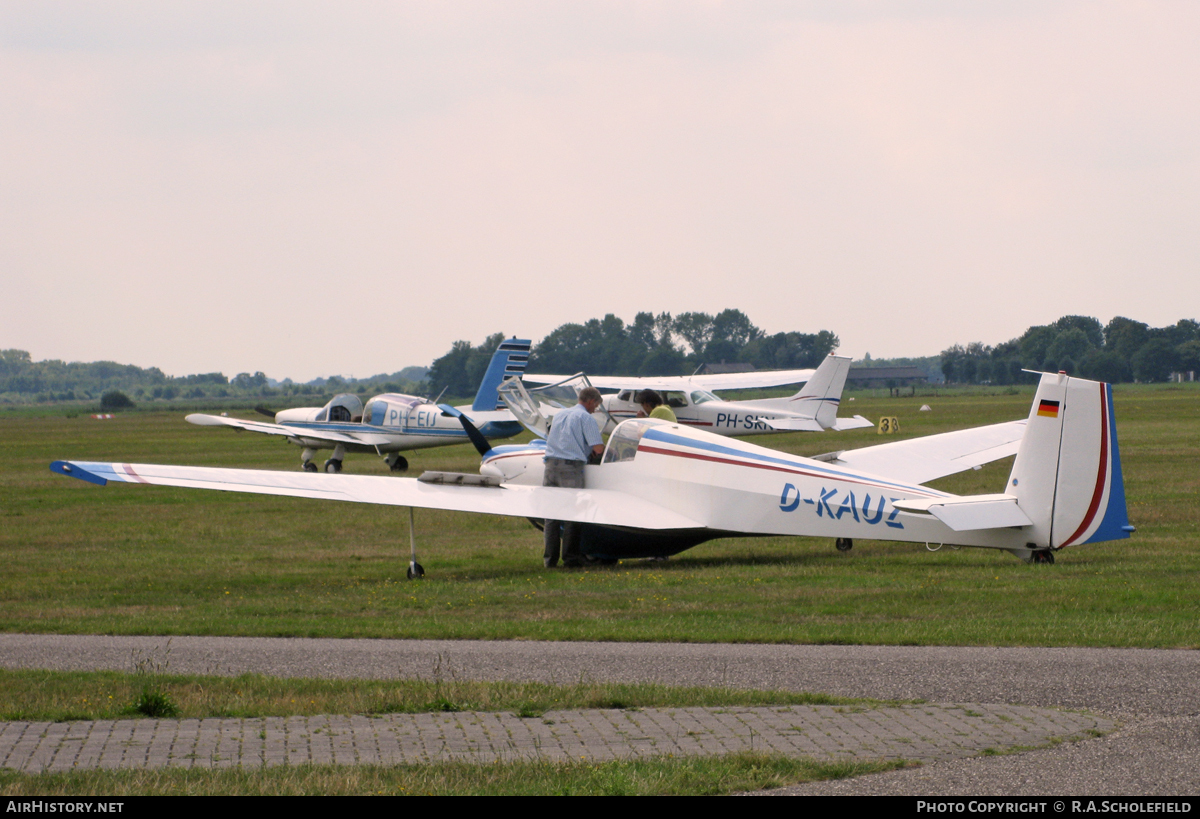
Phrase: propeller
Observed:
(481, 444)
(261, 410)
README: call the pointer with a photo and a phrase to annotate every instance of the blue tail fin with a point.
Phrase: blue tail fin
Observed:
(509, 359)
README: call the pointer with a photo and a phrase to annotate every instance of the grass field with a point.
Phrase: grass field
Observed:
(655, 776)
(147, 560)
(31, 695)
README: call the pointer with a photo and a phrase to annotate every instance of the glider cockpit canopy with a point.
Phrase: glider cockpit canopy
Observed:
(535, 408)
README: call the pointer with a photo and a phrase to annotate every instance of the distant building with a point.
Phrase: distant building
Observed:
(725, 369)
(884, 377)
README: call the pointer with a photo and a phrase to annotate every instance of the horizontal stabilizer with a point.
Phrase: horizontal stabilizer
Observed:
(965, 514)
(857, 422)
(793, 424)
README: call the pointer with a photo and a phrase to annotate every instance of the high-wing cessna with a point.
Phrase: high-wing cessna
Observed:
(665, 487)
(390, 423)
(813, 409)
(714, 381)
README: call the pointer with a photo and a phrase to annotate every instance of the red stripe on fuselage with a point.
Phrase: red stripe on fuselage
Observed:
(525, 454)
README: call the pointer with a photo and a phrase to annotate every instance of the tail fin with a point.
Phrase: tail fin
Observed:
(822, 393)
(509, 359)
(1067, 476)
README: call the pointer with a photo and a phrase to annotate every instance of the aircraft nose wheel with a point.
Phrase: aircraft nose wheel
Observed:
(399, 465)
(332, 466)
(843, 544)
(309, 466)
(415, 571)
(1043, 556)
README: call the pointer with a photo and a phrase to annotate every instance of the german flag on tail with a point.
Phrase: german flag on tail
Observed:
(1048, 409)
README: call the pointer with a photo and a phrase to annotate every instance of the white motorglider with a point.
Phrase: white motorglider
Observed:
(664, 487)
(390, 423)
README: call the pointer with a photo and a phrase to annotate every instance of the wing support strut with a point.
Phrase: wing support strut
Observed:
(415, 570)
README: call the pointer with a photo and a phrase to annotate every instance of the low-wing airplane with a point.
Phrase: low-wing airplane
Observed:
(664, 487)
(390, 423)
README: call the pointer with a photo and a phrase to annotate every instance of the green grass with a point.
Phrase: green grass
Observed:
(138, 560)
(638, 777)
(60, 696)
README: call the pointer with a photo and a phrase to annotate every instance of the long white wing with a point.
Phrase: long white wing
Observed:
(367, 438)
(728, 381)
(919, 460)
(603, 506)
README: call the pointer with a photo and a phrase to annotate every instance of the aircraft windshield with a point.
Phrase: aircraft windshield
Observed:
(623, 443)
(703, 397)
(344, 407)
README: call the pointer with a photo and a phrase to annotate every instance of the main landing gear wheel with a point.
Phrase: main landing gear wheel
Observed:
(843, 544)
(309, 466)
(415, 571)
(398, 465)
(1043, 556)
(333, 466)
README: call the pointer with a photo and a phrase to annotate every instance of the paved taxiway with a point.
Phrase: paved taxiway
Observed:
(1153, 694)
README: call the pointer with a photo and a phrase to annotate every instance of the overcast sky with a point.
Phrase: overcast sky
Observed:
(311, 188)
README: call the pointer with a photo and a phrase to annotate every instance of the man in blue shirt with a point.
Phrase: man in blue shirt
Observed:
(574, 436)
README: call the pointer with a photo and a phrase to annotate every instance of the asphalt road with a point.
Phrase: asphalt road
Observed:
(1155, 694)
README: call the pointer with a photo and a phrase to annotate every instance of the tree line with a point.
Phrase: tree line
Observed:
(1122, 350)
(24, 380)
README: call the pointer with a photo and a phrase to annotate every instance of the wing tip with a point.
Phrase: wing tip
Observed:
(74, 470)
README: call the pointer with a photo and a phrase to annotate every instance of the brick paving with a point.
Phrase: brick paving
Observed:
(925, 733)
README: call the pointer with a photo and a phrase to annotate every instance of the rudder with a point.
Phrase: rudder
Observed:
(822, 393)
(1067, 475)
